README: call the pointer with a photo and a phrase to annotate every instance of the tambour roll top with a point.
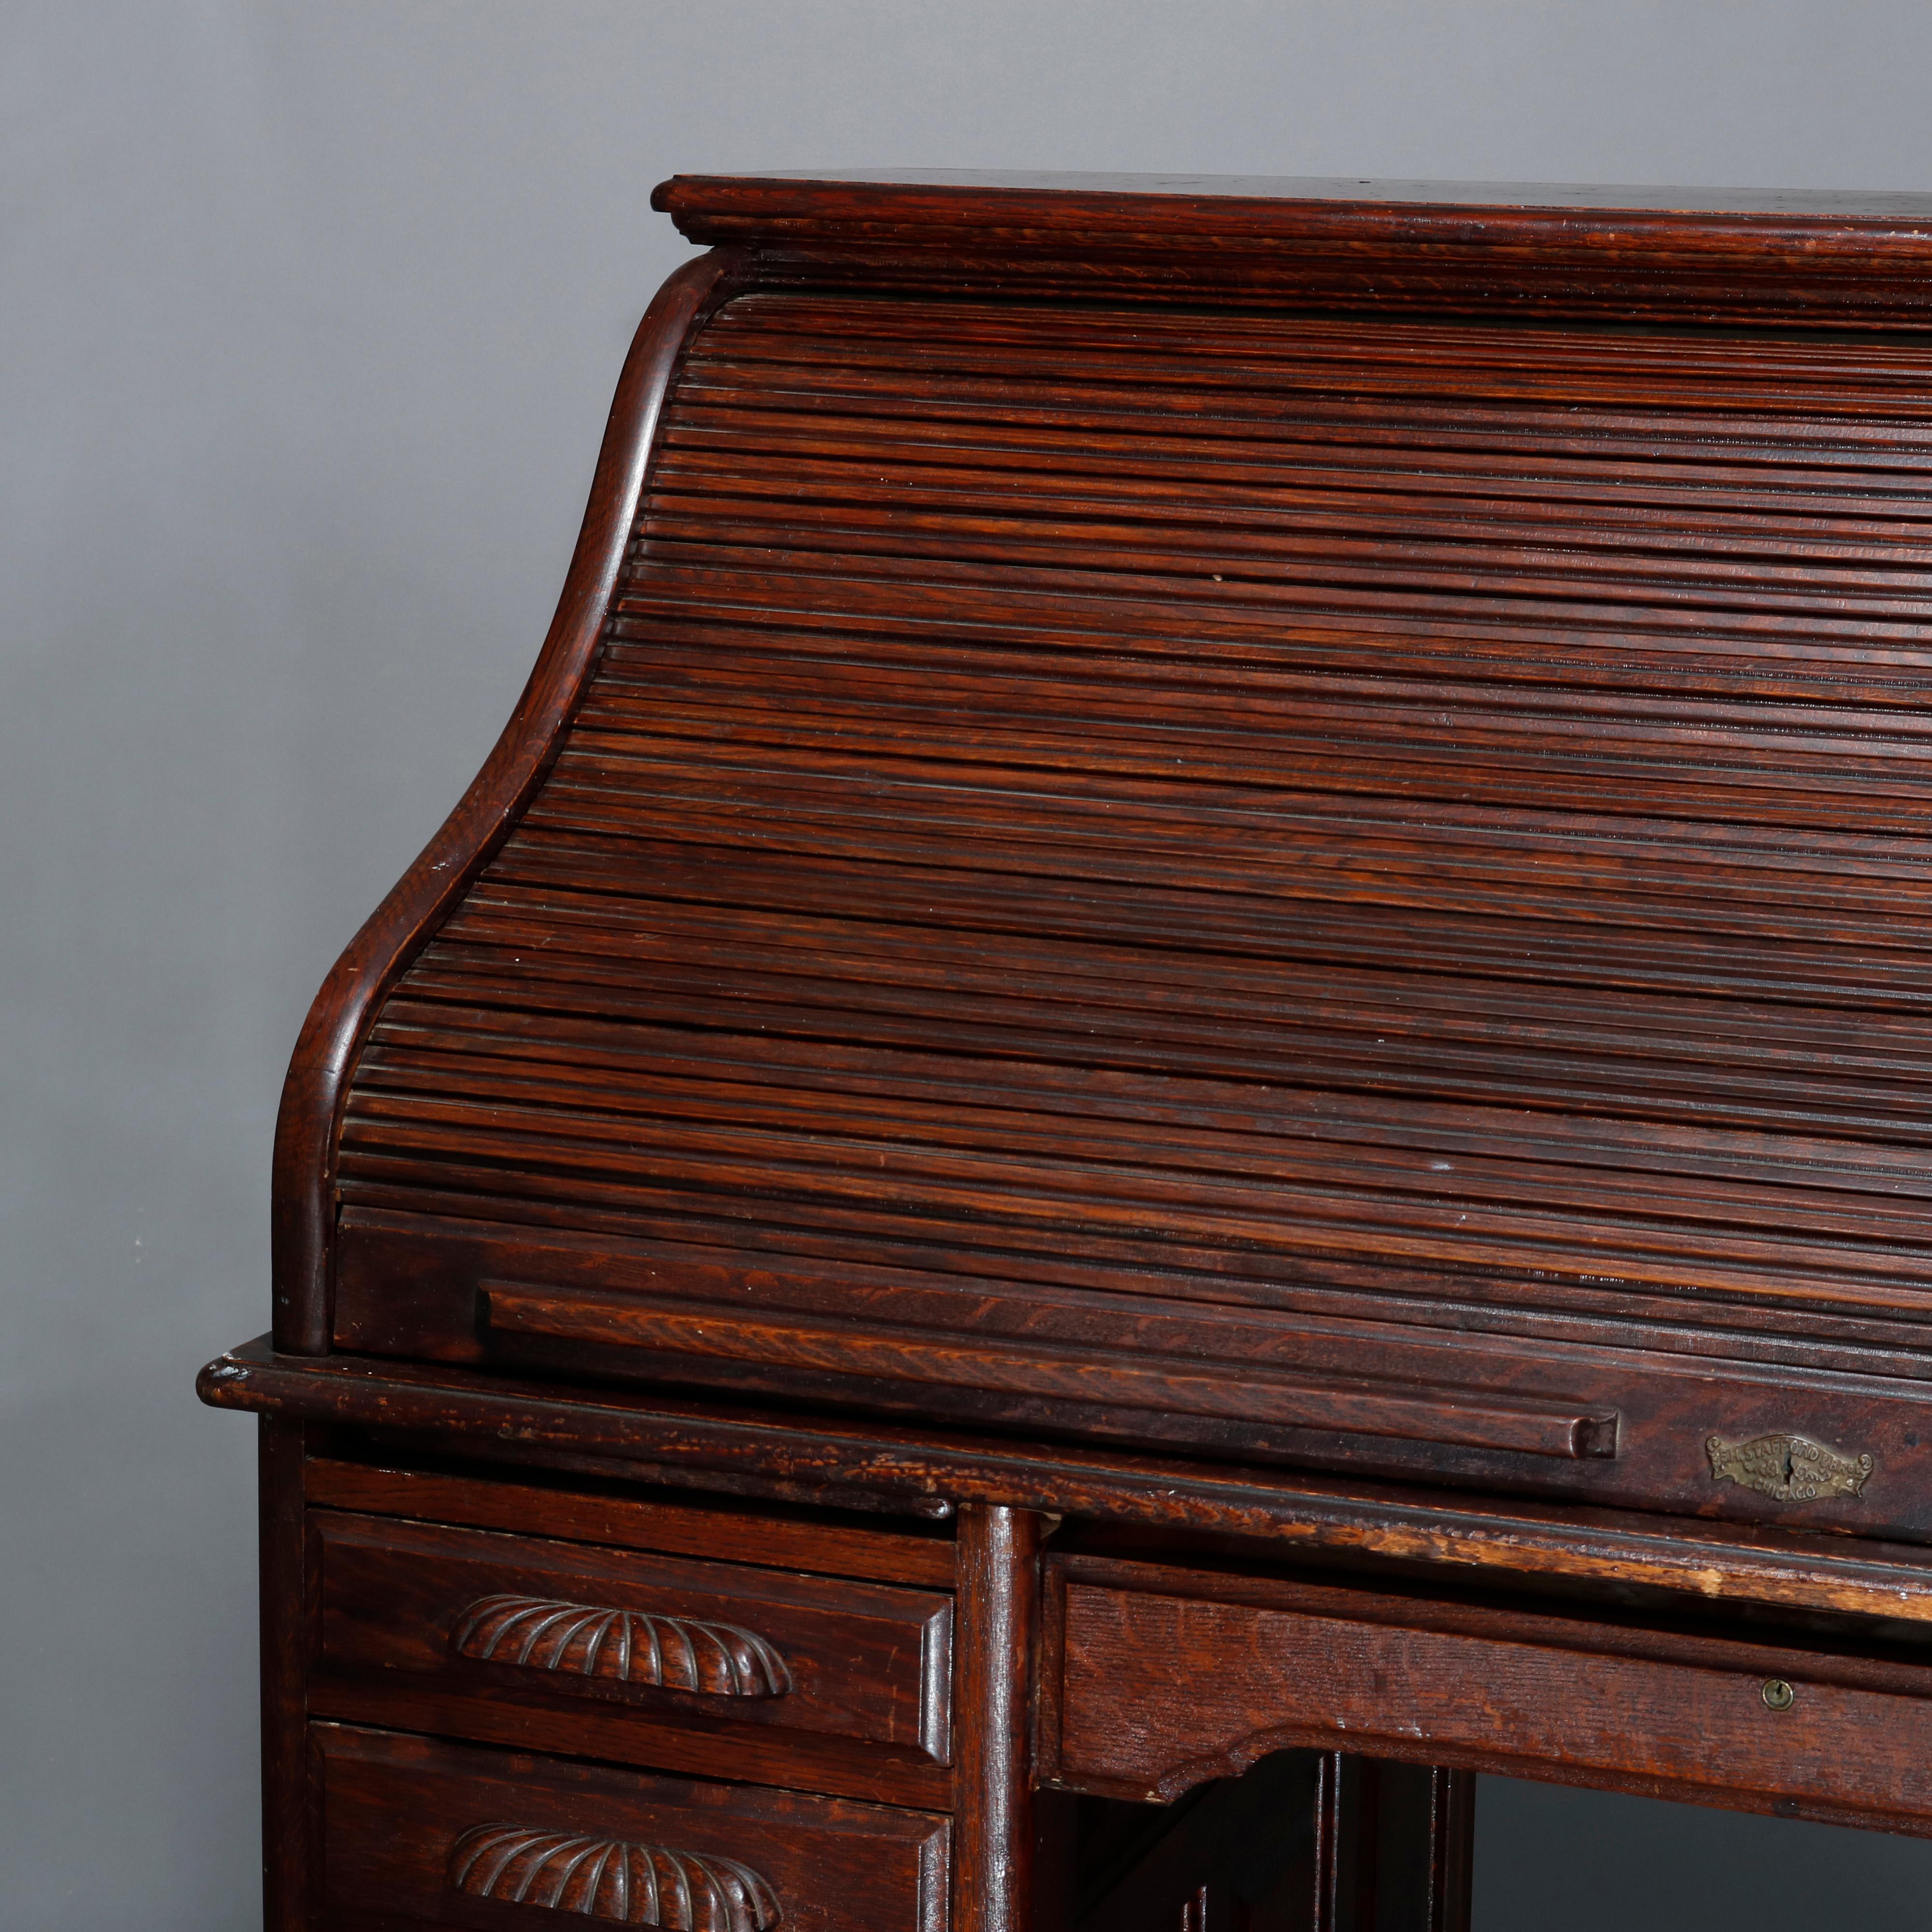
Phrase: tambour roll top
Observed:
(1253, 820)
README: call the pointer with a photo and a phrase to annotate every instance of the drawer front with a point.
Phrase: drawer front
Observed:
(1165, 1684)
(469, 1609)
(419, 1833)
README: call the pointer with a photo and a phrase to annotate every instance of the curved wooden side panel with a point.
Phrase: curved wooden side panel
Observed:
(307, 1127)
(715, 1660)
(611, 1879)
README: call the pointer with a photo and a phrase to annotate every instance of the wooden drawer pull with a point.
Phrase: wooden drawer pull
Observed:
(611, 1879)
(623, 1646)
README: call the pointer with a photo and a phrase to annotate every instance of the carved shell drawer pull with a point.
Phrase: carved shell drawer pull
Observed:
(611, 1879)
(621, 1646)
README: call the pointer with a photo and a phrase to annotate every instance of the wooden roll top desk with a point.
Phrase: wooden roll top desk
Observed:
(1172, 1081)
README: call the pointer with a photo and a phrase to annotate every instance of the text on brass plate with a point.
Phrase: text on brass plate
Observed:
(1787, 1468)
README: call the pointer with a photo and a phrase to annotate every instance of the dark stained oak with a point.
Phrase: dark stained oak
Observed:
(1188, 1018)
(1381, 856)
(1277, 1513)
(737, 1645)
(1224, 1671)
(1039, 1368)
(999, 1584)
(287, 1624)
(675, 1526)
(1479, 247)
(338, 1023)
(678, 1743)
(398, 1807)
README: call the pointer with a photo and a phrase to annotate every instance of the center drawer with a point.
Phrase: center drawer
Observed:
(468, 1609)
(1157, 1679)
(416, 1833)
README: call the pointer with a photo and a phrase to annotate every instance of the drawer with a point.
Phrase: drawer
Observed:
(420, 1833)
(473, 1611)
(1158, 1680)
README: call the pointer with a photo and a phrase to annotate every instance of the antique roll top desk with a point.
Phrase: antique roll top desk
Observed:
(1185, 1032)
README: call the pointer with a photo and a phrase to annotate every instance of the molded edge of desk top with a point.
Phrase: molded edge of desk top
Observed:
(823, 206)
(856, 1462)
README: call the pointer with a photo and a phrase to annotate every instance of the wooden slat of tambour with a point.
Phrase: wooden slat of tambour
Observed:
(1887, 447)
(1458, 394)
(1052, 465)
(1515, 877)
(1763, 776)
(1352, 588)
(1527, 724)
(1045, 1201)
(1533, 1068)
(1840, 539)
(622, 1059)
(1776, 966)
(678, 1116)
(1134, 1111)
(1831, 1052)
(1191, 614)
(1411, 1069)
(1215, 661)
(1094, 975)
(1335, 560)
(764, 1002)
(1526, 1166)
(724, 1205)
(1607, 353)
(1049, 458)
(1386, 1292)
(925, 785)
(1806, 395)
(1832, 545)
(1184, 617)
(1558, 867)
(1356, 456)
(1001, 723)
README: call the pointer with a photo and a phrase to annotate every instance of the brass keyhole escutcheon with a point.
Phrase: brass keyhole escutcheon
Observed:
(1778, 1695)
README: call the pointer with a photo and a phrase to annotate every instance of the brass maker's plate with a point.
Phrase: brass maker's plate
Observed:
(1788, 1468)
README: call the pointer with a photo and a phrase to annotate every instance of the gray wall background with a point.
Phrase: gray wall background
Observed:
(309, 319)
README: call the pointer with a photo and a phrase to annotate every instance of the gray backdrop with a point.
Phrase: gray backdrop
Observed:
(309, 321)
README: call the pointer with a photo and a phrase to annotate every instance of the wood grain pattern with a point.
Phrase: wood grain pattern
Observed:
(675, 1742)
(858, 1661)
(667, 1653)
(818, 1541)
(610, 1879)
(287, 1648)
(397, 1808)
(1603, 1550)
(1280, 821)
(1482, 248)
(1150, 822)
(1224, 1671)
(1039, 1368)
(339, 1021)
(999, 1622)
